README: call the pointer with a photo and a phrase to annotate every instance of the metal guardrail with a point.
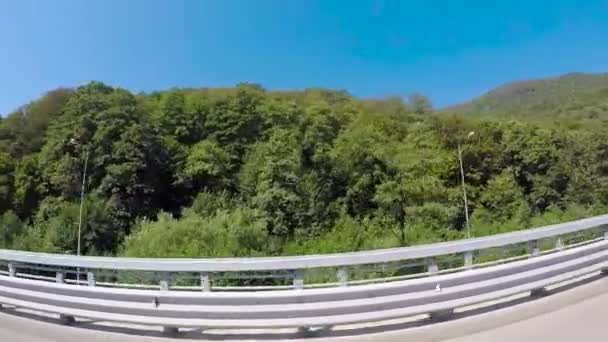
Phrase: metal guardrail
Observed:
(437, 292)
(303, 262)
(436, 296)
(297, 265)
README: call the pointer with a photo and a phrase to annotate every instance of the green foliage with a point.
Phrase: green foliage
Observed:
(27, 185)
(410, 205)
(54, 229)
(207, 204)
(360, 154)
(574, 99)
(243, 171)
(24, 131)
(207, 165)
(270, 177)
(236, 119)
(6, 181)
(10, 227)
(502, 198)
(241, 232)
(347, 234)
(419, 104)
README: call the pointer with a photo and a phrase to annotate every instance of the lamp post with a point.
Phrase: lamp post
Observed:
(82, 193)
(464, 189)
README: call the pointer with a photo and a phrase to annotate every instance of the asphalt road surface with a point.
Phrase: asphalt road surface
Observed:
(579, 314)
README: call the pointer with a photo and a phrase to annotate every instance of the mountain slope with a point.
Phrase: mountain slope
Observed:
(574, 96)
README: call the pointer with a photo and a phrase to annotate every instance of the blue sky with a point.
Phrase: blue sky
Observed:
(448, 50)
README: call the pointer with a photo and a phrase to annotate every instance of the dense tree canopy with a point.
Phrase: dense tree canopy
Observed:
(245, 171)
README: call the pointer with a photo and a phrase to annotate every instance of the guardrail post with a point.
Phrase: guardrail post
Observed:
(66, 320)
(342, 275)
(431, 265)
(60, 277)
(539, 292)
(165, 281)
(205, 283)
(12, 269)
(170, 331)
(298, 279)
(440, 316)
(91, 278)
(606, 235)
(468, 260)
(559, 243)
(533, 248)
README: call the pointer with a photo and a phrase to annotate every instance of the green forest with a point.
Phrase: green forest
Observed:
(246, 171)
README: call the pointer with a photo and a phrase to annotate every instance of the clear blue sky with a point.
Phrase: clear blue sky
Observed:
(448, 50)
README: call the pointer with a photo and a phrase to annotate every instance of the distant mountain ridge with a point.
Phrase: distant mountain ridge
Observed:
(574, 95)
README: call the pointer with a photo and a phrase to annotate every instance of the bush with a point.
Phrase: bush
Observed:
(238, 232)
(10, 227)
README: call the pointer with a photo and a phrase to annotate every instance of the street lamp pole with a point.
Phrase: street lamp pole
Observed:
(464, 188)
(82, 193)
(464, 193)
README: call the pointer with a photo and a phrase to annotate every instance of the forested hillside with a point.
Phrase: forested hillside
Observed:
(244, 171)
(575, 99)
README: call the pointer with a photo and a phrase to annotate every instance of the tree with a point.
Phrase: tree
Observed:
(503, 206)
(236, 120)
(28, 184)
(138, 178)
(127, 160)
(55, 227)
(411, 203)
(6, 182)
(10, 227)
(269, 179)
(181, 116)
(360, 155)
(419, 104)
(207, 166)
(533, 152)
(24, 131)
(322, 127)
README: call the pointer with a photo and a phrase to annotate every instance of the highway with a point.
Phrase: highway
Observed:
(575, 314)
